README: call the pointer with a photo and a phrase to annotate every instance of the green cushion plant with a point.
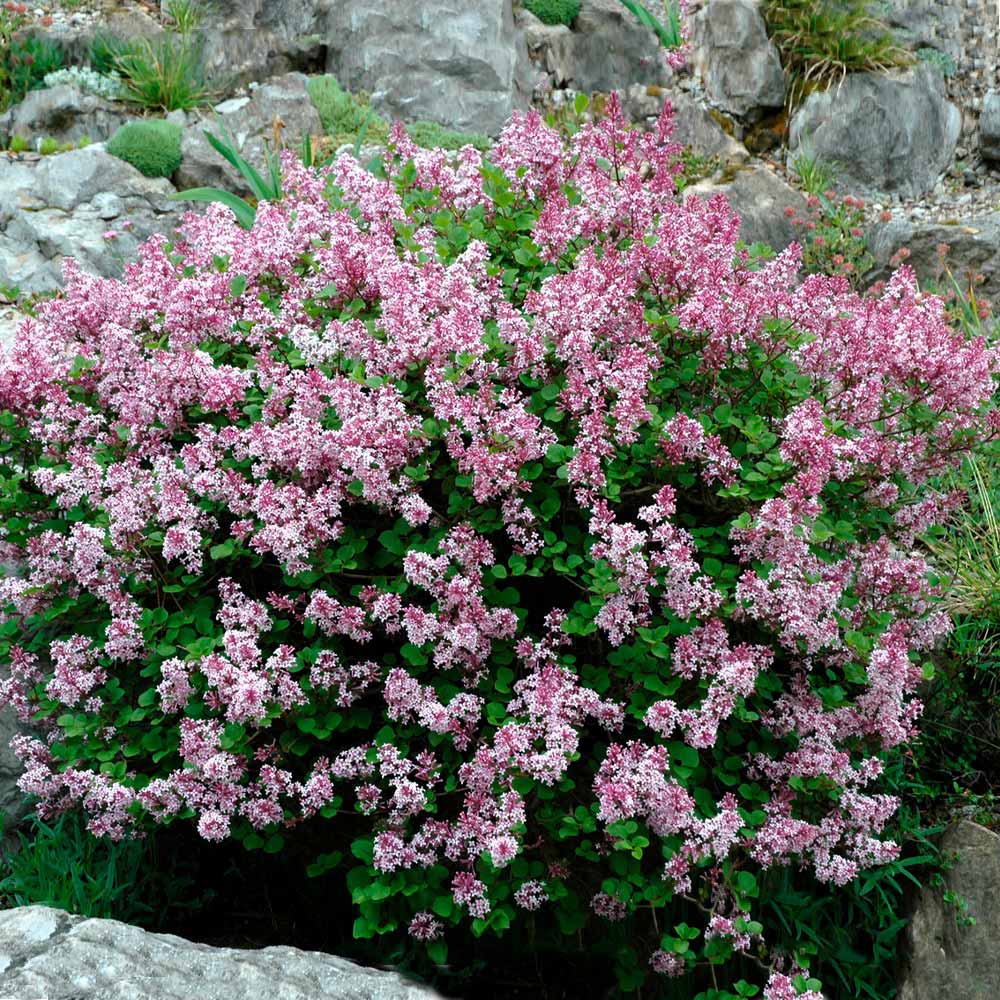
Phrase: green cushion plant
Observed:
(554, 11)
(153, 147)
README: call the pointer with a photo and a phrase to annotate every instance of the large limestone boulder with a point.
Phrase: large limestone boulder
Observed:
(740, 68)
(989, 126)
(250, 122)
(48, 953)
(64, 113)
(62, 206)
(973, 248)
(944, 958)
(606, 49)
(759, 197)
(458, 62)
(695, 127)
(244, 40)
(886, 132)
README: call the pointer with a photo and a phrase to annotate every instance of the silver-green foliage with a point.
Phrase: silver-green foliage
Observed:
(108, 86)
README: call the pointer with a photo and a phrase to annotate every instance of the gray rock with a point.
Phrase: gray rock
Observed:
(250, 123)
(944, 959)
(926, 24)
(701, 133)
(974, 248)
(48, 953)
(13, 802)
(75, 37)
(245, 40)
(694, 125)
(608, 49)
(886, 132)
(64, 113)
(740, 68)
(989, 126)
(458, 62)
(551, 47)
(60, 206)
(10, 320)
(760, 198)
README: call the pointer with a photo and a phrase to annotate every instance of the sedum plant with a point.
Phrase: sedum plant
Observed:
(106, 85)
(152, 146)
(500, 523)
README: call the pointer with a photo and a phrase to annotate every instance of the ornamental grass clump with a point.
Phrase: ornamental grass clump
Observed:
(502, 527)
(821, 41)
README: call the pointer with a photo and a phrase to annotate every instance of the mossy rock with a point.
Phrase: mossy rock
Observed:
(723, 121)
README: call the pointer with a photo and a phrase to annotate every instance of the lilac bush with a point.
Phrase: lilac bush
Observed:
(502, 517)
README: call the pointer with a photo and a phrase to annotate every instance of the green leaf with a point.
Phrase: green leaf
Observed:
(262, 191)
(362, 849)
(245, 212)
(437, 951)
(223, 550)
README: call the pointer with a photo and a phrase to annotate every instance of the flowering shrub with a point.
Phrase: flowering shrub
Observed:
(501, 521)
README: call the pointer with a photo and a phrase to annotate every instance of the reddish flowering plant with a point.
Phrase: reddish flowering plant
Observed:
(504, 521)
(13, 17)
(834, 239)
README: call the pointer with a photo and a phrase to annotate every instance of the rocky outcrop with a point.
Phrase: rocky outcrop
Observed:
(458, 62)
(74, 36)
(244, 40)
(944, 957)
(64, 113)
(48, 953)
(699, 131)
(885, 132)
(250, 122)
(760, 198)
(739, 67)
(925, 24)
(62, 206)
(973, 248)
(607, 49)
(989, 126)
(695, 128)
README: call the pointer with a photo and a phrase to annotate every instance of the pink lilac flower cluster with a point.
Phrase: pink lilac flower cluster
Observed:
(336, 379)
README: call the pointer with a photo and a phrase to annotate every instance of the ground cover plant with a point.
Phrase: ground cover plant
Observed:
(501, 525)
(554, 11)
(152, 146)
